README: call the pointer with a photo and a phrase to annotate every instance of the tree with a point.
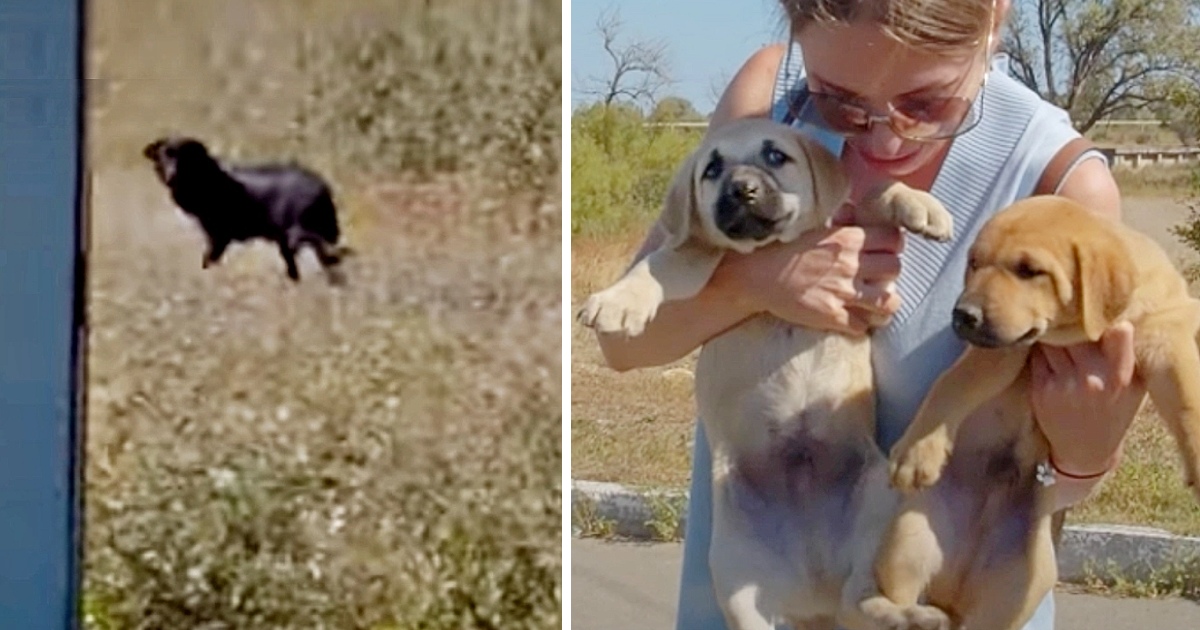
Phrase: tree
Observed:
(675, 108)
(639, 68)
(1099, 58)
(1180, 112)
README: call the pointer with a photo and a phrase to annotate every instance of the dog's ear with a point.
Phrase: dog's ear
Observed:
(1106, 283)
(679, 208)
(830, 185)
(151, 150)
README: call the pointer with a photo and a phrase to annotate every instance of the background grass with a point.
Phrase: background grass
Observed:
(636, 428)
(269, 455)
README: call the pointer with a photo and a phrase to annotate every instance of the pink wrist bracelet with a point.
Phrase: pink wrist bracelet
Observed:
(1068, 475)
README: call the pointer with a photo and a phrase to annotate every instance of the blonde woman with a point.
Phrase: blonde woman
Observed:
(906, 89)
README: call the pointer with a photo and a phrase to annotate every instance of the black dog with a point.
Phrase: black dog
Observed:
(282, 203)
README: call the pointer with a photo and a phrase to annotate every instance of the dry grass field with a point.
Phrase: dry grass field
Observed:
(636, 428)
(380, 455)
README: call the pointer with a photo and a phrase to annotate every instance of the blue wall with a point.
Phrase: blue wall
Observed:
(40, 312)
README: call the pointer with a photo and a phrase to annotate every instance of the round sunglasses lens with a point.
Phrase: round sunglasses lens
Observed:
(945, 118)
(839, 116)
(935, 119)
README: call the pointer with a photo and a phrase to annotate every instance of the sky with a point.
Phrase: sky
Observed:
(707, 40)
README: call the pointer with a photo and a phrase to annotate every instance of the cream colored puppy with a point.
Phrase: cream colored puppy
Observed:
(976, 539)
(800, 492)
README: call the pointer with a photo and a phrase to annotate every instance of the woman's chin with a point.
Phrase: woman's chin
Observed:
(896, 166)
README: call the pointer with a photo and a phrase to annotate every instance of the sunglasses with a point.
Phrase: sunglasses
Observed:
(921, 119)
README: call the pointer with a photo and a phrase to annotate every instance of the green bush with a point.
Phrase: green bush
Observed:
(1188, 232)
(620, 168)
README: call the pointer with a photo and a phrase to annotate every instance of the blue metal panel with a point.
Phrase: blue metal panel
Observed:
(41, 313)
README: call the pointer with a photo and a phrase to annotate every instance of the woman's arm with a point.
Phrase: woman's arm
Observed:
(677, 328)
(682, 326)
(1085, 396)
(837, 279)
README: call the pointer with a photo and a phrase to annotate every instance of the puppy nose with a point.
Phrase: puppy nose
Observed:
(744, 189)
(967, 317)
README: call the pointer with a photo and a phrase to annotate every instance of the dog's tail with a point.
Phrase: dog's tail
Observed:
(321, 218)
(340, 252)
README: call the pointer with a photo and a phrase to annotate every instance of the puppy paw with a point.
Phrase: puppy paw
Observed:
(883, 613)
(620, 309)
(919, 464)
(921, 213)
(927, 618)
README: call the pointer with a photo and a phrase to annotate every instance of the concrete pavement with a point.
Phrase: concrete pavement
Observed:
(633, 586)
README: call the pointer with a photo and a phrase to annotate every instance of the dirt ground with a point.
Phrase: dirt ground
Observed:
(1156, 216)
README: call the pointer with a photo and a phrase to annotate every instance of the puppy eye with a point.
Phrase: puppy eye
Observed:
(774, 157)
(1025, 271)
(712, 171)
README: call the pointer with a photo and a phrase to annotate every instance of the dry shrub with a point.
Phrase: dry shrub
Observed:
(344, 506)
(489, 97)
(265, 456)
(262, 455)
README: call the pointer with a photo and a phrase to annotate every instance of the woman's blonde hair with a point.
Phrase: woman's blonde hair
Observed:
(932, 25)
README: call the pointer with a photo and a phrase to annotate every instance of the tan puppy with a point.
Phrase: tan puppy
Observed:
(1045, 270)
(800, 492)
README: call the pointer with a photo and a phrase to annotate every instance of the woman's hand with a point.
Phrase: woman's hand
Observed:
(840, 279)
(1084, 398)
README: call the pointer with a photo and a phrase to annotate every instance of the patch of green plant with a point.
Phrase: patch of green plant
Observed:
(621, 167)
(588, 522)
(1178, 578)
(667, 513)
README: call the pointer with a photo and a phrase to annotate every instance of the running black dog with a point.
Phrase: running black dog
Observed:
(282, 203)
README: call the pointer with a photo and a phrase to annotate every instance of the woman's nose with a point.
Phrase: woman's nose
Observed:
(882, 141)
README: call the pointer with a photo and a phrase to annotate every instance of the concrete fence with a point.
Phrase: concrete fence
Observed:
(1140, 157)
(1126, 157)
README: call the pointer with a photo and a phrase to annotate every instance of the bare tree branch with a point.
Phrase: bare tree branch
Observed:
(1095, 58)
(639, 70)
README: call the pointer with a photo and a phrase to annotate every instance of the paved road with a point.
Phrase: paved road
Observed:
(632, 586)
(1155, 216)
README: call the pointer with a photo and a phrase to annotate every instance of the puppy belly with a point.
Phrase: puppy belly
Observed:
(801, 513)
(789, 414)
(800, 528)
(987, 513)
(765, 381)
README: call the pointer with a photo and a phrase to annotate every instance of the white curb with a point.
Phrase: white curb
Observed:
(1134, 553)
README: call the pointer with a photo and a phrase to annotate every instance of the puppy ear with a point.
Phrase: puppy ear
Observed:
(830, 185)
(679, 207)
(1106, 283)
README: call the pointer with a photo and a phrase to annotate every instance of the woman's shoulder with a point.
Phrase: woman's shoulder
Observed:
(751, 92)
(1044, 112)
(768, 58)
